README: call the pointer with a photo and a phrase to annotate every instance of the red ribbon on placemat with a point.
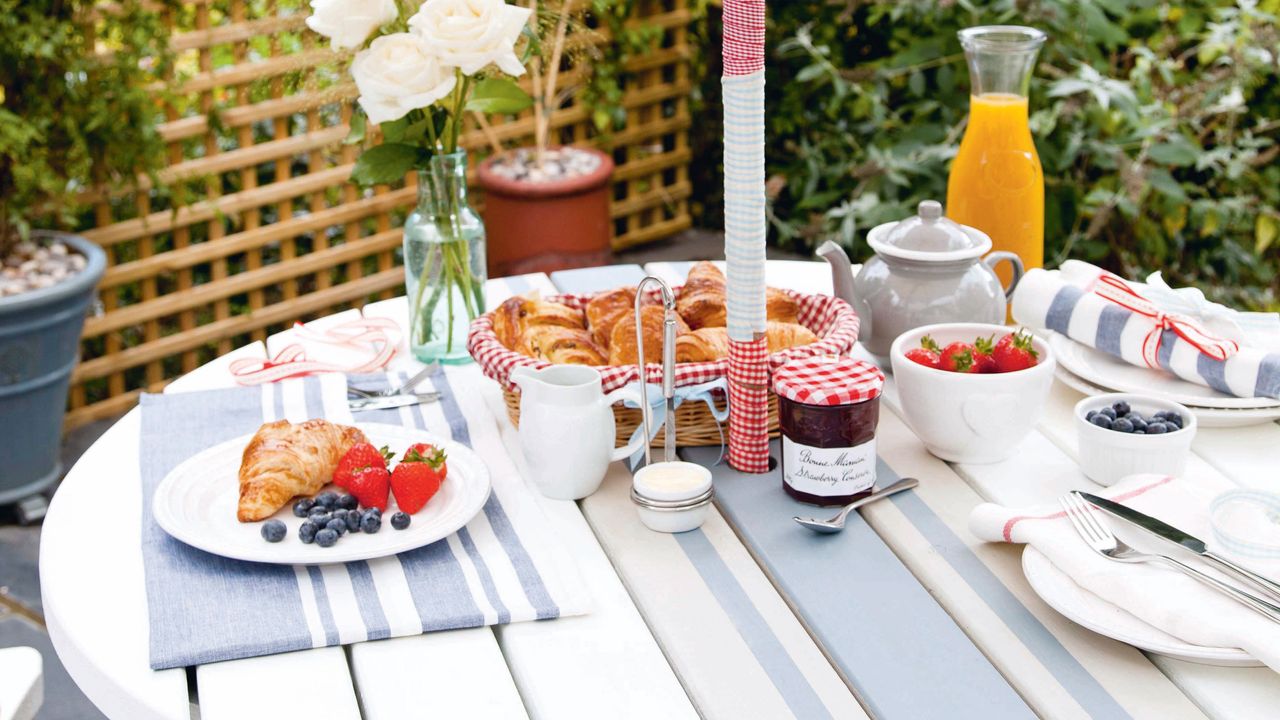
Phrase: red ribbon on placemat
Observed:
(1114, 289)
(377, 335)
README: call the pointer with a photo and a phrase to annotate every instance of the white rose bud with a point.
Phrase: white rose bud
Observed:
(472, 34)
(398, 73)
(348, 23)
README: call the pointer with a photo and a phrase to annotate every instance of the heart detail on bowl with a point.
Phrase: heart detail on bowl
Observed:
(991, 416)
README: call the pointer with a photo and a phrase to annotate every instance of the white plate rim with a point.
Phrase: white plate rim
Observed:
(1208, 417)
(1073, 356)
(465, 465)
(1038, 568)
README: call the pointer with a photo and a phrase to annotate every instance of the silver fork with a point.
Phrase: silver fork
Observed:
(404, 388)
(1097, 535)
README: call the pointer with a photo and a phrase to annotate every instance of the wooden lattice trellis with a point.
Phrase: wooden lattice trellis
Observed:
(260, 226)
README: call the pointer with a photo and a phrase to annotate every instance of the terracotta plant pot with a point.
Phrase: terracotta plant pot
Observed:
(545, 226)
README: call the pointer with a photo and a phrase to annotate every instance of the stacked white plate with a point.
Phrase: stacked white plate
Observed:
(1094, 372)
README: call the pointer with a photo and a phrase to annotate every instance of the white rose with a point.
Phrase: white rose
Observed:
(398, 73)
(347, 23)
(471, 34)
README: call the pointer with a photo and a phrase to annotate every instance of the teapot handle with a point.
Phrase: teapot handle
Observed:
(1015, 264)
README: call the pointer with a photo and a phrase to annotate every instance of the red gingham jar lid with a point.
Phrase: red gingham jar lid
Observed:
(828, 381)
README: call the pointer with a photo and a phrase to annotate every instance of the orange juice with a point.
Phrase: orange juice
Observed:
(996, 182)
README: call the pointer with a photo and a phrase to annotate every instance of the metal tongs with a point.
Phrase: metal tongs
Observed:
(668, 368)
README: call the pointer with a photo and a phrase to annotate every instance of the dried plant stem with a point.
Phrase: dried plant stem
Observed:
(492, 137)
(548, 96)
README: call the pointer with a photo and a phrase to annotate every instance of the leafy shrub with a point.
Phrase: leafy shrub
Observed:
(1155, 122)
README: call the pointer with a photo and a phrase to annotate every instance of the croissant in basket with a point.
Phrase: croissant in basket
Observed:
(622, 341)
(712, 343)
(519, 313)
(604, 310)
(701, 302)
(561, 345)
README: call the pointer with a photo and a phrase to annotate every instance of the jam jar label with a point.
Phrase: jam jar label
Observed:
(829, 471)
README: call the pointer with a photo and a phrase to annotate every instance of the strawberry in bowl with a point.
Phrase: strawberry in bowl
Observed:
(971, 391)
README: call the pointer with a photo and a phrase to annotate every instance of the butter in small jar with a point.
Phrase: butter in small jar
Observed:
(828, 409)
(672, 497)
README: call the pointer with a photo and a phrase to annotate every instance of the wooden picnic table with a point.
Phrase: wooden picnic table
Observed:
(904, 615)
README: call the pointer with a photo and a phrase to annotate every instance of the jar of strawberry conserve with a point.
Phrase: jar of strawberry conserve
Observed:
(828, 409)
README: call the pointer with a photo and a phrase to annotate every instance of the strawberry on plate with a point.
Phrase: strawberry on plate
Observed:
(370, 485)
(1014, 352)
(360, 457)
(417, 478)
(958, 357)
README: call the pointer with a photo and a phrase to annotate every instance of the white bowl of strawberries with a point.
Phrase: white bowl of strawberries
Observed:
(971, 391)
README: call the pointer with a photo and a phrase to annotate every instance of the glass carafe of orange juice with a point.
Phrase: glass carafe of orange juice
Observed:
(996, 182)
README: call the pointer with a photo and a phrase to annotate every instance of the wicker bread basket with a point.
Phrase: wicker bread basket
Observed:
(830, 318)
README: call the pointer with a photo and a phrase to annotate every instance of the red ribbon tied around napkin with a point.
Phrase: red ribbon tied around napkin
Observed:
(376, 335)
(1112, 288)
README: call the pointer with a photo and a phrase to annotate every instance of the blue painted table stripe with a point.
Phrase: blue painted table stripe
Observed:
(899, 650)
(595, 279)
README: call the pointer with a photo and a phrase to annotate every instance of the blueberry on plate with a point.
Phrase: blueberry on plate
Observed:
(273, 531)
(400, 521)
(302, 507)
(1157, 428)
(338, 525)
(327, 500)
(1102, 421)
(320, 517)
(352, 518)
(1122, 408)
(347, 501)
(1123, 425)
(371, 523)
(326, 537)
(307, 532)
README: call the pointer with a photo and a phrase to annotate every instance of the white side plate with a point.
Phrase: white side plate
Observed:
(1105, 370)
(1084, 608)
(196, 503)
(1207, 417)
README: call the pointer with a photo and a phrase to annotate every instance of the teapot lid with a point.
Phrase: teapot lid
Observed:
(930, 231)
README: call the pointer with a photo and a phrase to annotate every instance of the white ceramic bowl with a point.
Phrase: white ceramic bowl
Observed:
(1106, 456)
(969, 418)
(672, 509)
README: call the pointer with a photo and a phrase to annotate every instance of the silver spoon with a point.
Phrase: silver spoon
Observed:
(836, 524)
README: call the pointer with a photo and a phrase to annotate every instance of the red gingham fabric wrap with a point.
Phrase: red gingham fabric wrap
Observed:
(743, 50)
(749, 405)
(828, 381)
(830, 318)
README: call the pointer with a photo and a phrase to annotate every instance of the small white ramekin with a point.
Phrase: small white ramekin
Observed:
(1106, 456)
(672, 511)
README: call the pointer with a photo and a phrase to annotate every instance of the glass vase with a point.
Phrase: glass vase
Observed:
(444, 263)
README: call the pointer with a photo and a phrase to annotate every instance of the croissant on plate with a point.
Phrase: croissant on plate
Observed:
(561, 345)
(283, 461)
(622, 341)
(604, 310)
(703, 345)
(788, 335)
(516, 314)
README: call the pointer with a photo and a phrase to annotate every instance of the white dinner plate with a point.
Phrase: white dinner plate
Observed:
(1108, 371)
(1084, 608)
(196, 503)
(1206, 417)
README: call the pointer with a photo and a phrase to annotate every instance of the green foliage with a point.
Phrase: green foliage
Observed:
(70, 117)
(604, 87)
(498, 95)
(1155, 121)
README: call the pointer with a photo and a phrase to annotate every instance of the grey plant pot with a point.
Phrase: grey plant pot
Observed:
(39, 346)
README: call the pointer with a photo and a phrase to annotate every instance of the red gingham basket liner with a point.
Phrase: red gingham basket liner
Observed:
(830, 318)
(828, 381)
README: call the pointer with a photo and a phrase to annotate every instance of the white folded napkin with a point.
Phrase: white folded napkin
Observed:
(1256, 329)
(1160, 596)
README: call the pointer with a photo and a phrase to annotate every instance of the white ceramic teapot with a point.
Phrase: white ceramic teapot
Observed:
(926, 270)
(567, 429)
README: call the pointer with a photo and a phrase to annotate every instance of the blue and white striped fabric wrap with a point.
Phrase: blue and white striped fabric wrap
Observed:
(506, 565)
(1060, 301)
(744, 203)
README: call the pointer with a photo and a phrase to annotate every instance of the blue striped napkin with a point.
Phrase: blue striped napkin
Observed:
(505, 566)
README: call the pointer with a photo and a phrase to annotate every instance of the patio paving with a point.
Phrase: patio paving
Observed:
(21, 616)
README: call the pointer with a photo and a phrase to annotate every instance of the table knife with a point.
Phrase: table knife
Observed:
(1170, 534)
(390, 402)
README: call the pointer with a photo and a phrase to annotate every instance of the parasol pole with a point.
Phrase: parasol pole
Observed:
(744, 234)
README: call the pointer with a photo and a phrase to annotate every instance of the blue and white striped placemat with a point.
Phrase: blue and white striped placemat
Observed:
(504, 566)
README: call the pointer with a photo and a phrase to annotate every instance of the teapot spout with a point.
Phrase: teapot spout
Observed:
(841, 270)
